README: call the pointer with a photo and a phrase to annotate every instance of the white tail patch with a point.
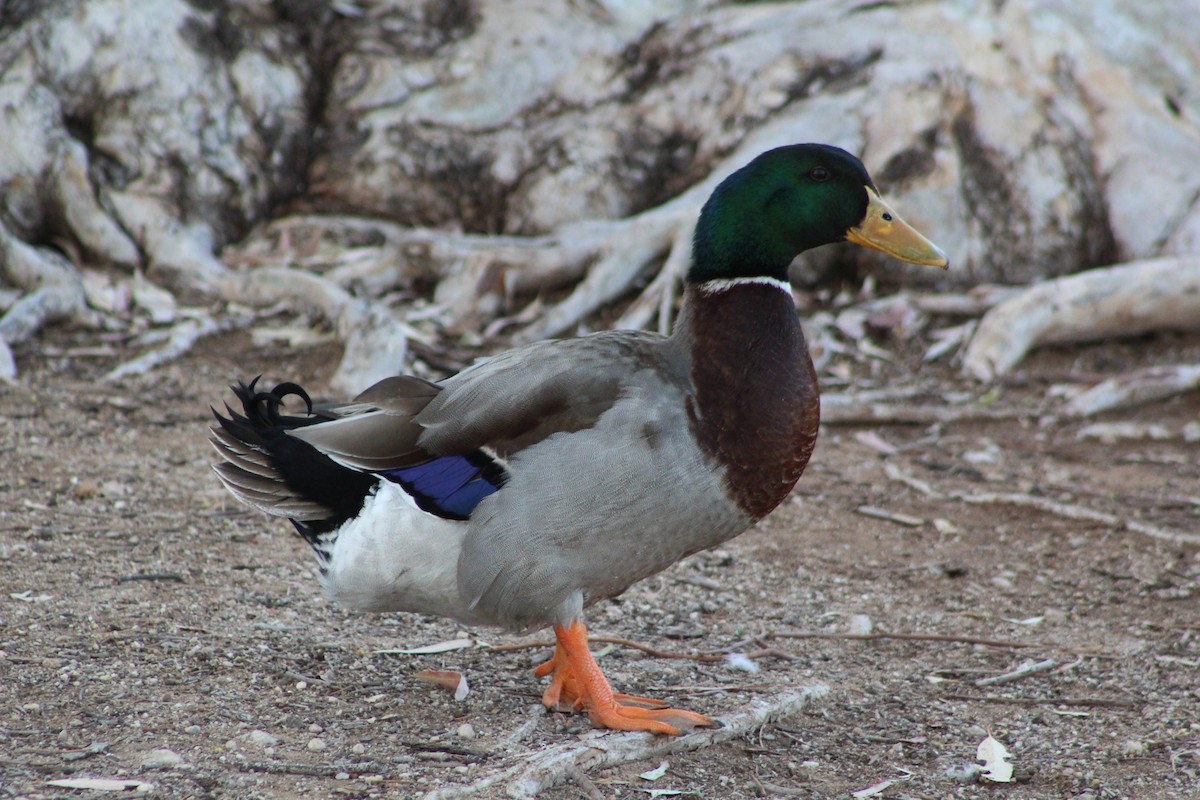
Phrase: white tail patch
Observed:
(395, 557)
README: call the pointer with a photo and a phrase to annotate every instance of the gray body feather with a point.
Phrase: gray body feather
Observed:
(603, 413)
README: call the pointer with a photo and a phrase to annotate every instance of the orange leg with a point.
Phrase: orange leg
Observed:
(576, 681)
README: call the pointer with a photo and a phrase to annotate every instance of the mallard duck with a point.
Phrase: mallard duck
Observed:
(533, 484)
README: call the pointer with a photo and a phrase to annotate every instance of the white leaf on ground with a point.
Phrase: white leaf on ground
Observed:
(656, 773)
(995, 760)
(462, 690)
(430, 649)
(28, 596)
(103, 785)
(1028, 621)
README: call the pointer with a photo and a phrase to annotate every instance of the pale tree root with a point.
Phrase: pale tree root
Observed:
(554, 765)
(1125, 300)
(1135, 388)
(376, 339)
(477, 276)
(54, 292)
(180, 340)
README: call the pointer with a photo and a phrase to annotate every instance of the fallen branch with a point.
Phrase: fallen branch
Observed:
(1023, 671)
(1068, 510)
(554, 765)
(180, 340)
(1135, 388)
(1125, 300)
(844, 410)
(910, 637)
(309, 770)
(972, 303)
(1102, 702)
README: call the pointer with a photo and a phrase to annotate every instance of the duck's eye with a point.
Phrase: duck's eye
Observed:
(819, 174)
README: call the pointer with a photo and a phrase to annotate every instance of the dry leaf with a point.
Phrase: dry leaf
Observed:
(447, 679)
(656, 773)
(995, 760)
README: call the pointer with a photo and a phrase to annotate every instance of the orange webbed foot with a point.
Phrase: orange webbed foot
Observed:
(577, 682)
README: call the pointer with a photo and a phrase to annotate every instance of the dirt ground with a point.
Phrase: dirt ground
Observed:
(143, 610)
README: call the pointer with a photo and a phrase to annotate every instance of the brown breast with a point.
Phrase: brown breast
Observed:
(756, 408)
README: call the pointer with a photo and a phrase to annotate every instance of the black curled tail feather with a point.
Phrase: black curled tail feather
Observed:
(279, 474)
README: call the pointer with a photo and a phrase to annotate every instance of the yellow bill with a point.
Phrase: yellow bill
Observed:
(883, 230)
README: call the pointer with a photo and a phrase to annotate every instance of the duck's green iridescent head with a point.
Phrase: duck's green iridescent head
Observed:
(792, 199)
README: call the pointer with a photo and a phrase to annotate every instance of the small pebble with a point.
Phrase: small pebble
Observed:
(193, 729)
(359, 749)
(316, 744)
(1132, 748)
(963, 772)
(262, 739)
(162, 758)
(465, 731)
(342, 776)
(315, 728)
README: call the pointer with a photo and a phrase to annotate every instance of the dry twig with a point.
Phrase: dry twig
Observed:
(910, 637)
(1099, 702)
(1023, 671)
(848, 410)
(551, 766)
(1068, 510)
